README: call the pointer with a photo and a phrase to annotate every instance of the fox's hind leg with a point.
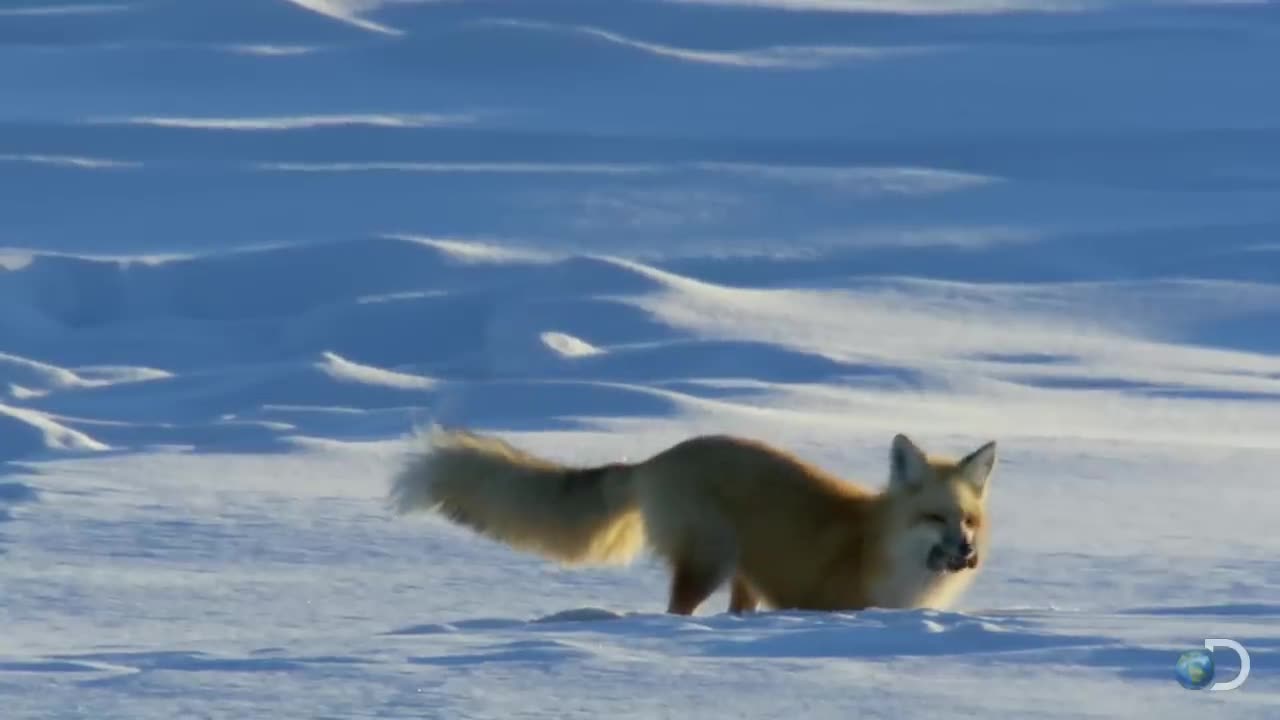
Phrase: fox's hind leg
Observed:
(691, 586)
(690, 533)
(706, 560)
(742, 599)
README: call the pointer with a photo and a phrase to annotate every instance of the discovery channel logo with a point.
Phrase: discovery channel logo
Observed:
(1195, 668)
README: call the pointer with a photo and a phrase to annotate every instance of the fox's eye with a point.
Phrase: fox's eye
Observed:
(971, 520)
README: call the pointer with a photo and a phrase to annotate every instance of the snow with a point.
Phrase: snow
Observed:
(250, 249)
(295, 123)
(348, 11)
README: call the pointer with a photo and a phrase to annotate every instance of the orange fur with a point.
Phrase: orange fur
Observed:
(722, 509)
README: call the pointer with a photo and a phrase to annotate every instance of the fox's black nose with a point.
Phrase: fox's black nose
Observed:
(965, 549)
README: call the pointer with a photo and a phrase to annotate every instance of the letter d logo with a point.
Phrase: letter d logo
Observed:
(1211, 644)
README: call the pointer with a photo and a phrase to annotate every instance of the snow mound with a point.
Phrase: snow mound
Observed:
(14, 493)
(299, 122)
(26, 377)
(568, 345)
(25, 432)
(344, 370)
(350, 12)
(781, 57)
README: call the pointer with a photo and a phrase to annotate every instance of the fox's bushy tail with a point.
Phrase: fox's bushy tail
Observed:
(574, 515)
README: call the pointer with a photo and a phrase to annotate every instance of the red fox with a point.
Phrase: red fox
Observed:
(720, 509)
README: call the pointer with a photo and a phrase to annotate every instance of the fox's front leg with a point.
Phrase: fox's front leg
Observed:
(742, 599)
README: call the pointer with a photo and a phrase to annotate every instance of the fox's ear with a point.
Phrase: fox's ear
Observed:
(908, 465)
(976, 467)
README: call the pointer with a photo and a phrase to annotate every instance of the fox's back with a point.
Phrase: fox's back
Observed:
(789, 520)
(745, 472)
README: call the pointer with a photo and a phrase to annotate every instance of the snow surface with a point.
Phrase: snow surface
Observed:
(249, 247)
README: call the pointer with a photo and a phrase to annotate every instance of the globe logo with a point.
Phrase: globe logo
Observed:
(1195, 669)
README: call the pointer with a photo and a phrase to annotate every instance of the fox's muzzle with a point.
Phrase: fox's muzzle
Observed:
(960, 557)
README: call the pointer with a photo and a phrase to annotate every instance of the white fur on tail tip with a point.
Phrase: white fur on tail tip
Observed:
(411, 486)
(447, 455)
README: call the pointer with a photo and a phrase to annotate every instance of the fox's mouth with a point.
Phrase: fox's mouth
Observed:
(940, 560)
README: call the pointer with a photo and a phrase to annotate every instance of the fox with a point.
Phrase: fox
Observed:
(719, 508)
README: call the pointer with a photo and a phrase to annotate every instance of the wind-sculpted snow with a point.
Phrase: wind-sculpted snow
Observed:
(249, 248)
